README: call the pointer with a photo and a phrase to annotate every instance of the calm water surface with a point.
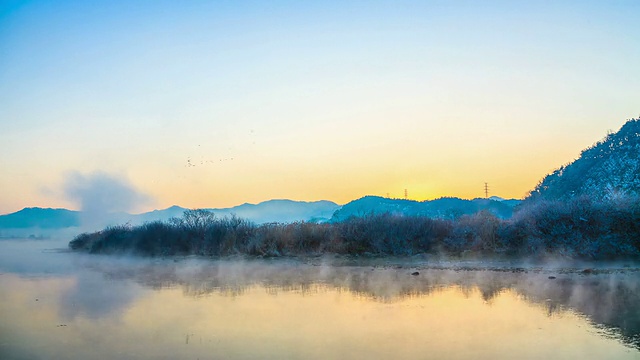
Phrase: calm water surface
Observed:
(60, 305)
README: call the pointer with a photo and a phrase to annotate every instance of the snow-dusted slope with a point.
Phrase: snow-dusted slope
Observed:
(608, 169)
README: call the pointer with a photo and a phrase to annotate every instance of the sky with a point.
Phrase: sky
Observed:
(218, 103)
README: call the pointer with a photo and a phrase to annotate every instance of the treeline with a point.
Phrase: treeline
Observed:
(579, 228)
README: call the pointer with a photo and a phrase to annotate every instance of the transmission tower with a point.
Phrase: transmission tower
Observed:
(406, 194)
(486, 190)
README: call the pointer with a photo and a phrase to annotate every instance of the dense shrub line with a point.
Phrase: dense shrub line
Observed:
(579, 228)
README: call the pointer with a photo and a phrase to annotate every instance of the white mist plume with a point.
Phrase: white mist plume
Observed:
(99, 194)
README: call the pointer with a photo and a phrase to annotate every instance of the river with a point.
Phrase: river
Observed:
(56, 304)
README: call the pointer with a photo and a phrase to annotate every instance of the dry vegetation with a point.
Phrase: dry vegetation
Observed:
(579, 229)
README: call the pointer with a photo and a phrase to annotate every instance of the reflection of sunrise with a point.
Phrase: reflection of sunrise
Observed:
(204, 104)
(320, 322)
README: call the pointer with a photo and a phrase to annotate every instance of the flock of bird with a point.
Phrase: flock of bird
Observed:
(204, 162)
(190, 163)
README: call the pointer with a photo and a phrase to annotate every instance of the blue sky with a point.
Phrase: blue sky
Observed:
(333, 100)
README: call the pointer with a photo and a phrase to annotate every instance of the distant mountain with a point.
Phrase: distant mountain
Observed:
(42, 218)
(443, 208)
(268, 211)
(155, 215)
(608, 169)
(511, 202)
(283, 211)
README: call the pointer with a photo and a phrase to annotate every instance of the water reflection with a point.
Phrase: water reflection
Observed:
(608, 297)
(71, 306)
(89, 297)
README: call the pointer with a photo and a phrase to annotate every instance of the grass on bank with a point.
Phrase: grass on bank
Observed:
(579, 229)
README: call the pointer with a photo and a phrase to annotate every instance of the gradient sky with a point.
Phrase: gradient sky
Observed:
(281, 99)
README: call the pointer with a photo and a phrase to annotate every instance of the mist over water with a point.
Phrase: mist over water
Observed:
(64, 305)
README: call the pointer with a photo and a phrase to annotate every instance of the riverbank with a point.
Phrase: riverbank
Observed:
(579, 229)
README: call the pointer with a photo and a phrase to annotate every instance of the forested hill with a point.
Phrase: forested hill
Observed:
(442, 208)
(607, 170)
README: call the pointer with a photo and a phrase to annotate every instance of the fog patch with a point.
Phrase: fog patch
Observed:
(27, 257)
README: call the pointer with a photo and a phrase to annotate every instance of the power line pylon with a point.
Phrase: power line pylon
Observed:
(486, 190)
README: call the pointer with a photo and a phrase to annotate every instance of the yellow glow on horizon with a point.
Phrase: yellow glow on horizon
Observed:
(284, 108)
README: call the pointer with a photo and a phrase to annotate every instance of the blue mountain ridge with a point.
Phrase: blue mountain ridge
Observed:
(277, 210)
(44, 218)
(267, 211)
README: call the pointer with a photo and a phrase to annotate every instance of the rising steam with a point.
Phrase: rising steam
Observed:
(100, 194)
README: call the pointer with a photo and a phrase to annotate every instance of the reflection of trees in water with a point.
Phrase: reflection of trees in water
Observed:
(607, 298)
(610, 300)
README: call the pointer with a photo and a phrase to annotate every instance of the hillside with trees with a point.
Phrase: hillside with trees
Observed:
(609, 169)
(443, 208)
